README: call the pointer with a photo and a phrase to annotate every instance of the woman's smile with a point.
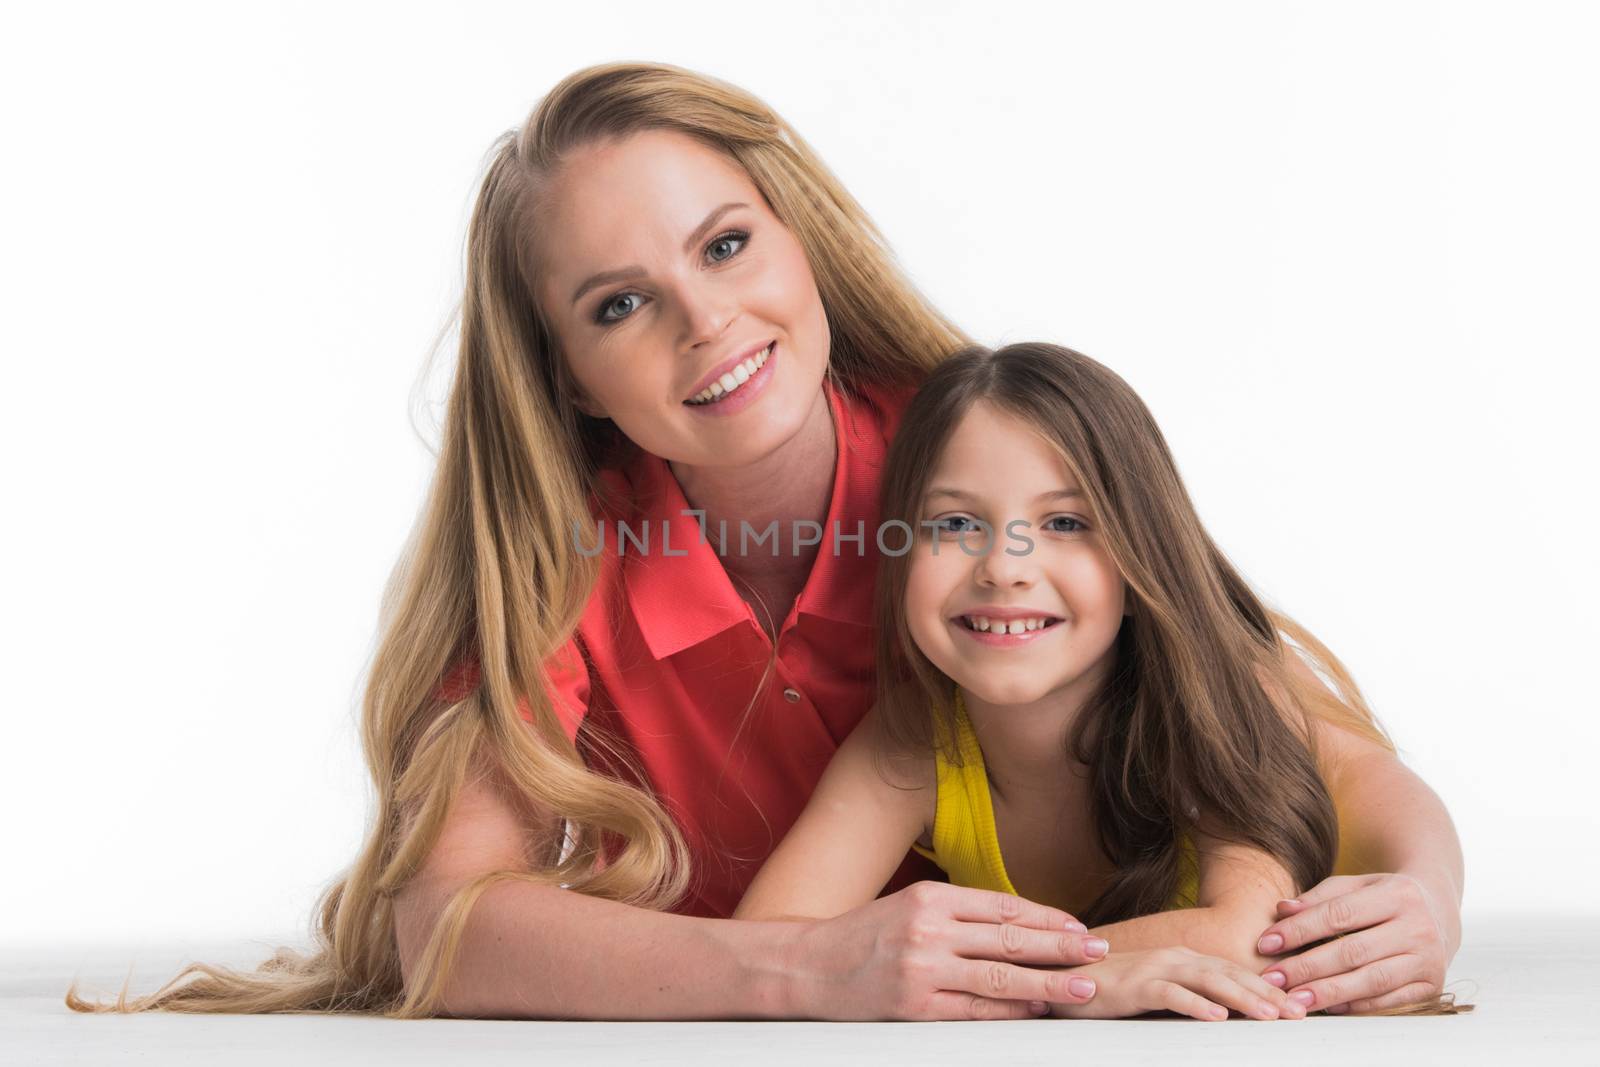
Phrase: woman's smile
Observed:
(738, 388)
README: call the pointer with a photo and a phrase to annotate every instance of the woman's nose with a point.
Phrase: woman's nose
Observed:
(707, 311)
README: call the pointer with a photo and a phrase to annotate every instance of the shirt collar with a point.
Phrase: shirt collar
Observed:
(681, 600)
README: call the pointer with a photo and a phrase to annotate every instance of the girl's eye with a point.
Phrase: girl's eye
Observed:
(727, 246)
(623, 304)
(1069, 524)
(944, 524)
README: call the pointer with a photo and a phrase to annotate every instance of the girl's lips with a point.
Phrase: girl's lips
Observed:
(745, 395)
(995, 640)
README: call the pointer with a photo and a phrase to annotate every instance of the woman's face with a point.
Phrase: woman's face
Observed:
(661, 270)
(995, 468)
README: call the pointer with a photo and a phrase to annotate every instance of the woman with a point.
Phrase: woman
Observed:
(675, 319)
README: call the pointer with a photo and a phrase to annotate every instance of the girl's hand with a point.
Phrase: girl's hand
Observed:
(939, 951)
(1399, 936)
(1180, 980)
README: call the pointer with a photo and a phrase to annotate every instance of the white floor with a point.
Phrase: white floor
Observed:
(1536, 984)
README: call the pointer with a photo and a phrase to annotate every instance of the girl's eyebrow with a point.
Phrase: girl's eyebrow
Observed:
(624, 274)
(960, 494)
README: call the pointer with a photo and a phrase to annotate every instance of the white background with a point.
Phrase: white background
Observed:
(1347, 253)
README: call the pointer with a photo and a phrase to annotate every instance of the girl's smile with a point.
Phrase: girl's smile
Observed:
(1046, 594)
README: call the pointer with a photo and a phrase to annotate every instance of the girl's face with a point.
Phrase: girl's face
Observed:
(661, 270)
(995, 468)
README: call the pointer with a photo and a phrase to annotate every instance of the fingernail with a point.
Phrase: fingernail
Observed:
(1081, 987)
(1338, 1009)
(1277, 978)
(1291, 903)
(1266, 1010)
(1038, 1007)
(1095, 947)
(1077, 927)
(1269, 944)
(1303, 996)
(1294, 1009)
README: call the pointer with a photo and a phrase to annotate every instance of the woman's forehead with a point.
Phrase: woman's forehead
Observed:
(616, 201)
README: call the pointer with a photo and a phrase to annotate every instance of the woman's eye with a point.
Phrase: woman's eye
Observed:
(726, 247)
(1067, 524)
(618, 307)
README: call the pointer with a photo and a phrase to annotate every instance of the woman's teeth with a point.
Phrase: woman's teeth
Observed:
(733, 379)
(985, 625)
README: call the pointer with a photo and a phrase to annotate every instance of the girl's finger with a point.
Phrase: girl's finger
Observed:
(1336, 957)
(1374, 980)
(1173, 997)
(1244, 992)
(1007, 981)
(1023, 944)
(1355, 910)
(947, 1005)
(988, 906)
(1407, 994)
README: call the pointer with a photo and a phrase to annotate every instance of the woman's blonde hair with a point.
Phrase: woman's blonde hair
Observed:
(490, 575)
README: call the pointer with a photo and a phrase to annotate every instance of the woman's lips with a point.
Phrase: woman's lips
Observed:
(742, 397)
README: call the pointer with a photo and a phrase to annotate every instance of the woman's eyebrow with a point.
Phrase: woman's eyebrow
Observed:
(623, 274)
(961, 494)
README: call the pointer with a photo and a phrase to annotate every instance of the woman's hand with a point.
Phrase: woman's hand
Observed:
(939, 951)
(1395, 936)
(1180, 980)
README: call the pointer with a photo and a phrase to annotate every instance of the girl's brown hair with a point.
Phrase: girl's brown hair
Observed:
(1184, 734)
(1202, 725)
(490, 575)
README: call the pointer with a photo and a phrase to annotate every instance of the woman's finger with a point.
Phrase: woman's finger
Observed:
(988, 906)
(1007, 981)
(1245, 993)
(1174, 997)
(1355, 910)
(1024, 944)
(947, 1005)
(1336, 957)
(1376, 979)
(1406, 994)
(1325, 890)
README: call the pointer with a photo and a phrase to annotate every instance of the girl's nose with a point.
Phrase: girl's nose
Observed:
(998, 567)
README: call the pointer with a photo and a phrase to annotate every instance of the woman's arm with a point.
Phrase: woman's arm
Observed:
(1398, 924)
(1394, 902)
(930, 951)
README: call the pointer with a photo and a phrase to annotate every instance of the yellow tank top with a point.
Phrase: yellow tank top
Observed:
(965, 844)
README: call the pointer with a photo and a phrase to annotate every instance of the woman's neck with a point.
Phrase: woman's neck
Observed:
(794, 481)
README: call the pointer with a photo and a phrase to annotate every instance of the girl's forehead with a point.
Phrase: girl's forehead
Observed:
(995, 454)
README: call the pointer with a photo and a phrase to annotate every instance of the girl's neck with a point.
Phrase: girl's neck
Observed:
(794, 481)
(1027, 747)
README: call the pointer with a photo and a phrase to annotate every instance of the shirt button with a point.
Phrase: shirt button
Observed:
(791, 695)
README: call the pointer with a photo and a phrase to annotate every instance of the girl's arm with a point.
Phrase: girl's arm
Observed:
(1239, 887)
(852, 835)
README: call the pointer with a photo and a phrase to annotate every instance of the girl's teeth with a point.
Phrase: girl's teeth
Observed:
(983, 624)
(734, 378)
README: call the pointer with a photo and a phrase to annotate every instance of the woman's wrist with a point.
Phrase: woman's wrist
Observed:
(778, 969)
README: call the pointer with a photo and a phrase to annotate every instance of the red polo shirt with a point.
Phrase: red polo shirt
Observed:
(668, 655)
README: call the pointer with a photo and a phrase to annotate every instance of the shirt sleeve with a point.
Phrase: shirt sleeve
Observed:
(567, 685)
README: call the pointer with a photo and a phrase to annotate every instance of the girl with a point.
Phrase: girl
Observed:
(1079, 699)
